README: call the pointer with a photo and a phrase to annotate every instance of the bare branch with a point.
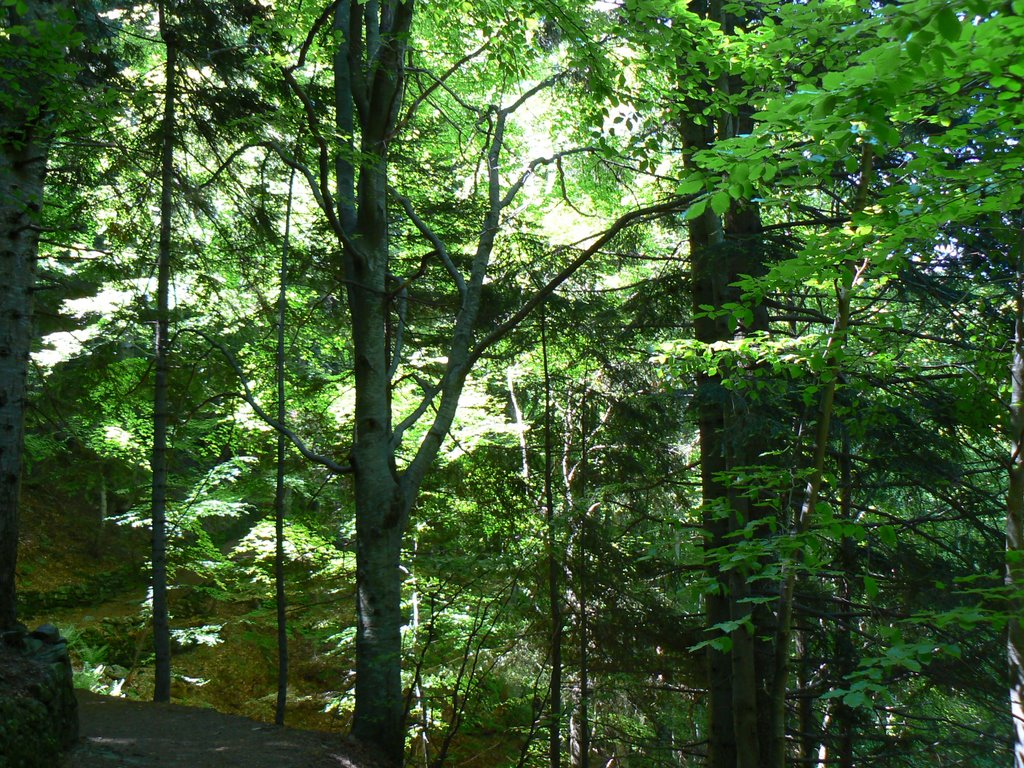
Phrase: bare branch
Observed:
(430, 393)
(224, 165)
(323, 180)
(396, 356)
(648, 213)
(429, 234)
(556, 158)
(322, 19)
(247, 395)
(547, 82)
(438, 82)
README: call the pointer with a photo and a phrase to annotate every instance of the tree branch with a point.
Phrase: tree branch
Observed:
(429, 234)
(438, 82)
(247, 395)
(648, 213)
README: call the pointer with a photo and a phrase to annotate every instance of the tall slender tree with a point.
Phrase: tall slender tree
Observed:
(280, 488)
(161, 406)
(1015, 510)
(554, 562)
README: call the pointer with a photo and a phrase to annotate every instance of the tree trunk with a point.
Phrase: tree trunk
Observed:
(1015, 520)
(554, 566)
(721, 251)
(704, 232)
(24, 149)
(379, 702)
(280, 491)
(369, 80)
(369, 77)
(161, 408)
(381, 506)
(22, 171)
(845, 717)
(737, 665)
(582, 720)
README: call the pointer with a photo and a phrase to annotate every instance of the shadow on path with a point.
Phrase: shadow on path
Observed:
(119, 732)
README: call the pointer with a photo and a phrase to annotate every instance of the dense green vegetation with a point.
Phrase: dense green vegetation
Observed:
(606, 383)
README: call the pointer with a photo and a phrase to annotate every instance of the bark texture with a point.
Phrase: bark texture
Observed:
(24, 147)
(369, 80)
(161, 408)
(22, 171)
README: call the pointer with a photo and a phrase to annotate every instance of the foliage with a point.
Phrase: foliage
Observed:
(880, 145)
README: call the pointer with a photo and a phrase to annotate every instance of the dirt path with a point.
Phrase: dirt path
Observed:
(119, 732)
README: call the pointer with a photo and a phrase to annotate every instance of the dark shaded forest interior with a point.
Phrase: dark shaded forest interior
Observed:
(607, 383)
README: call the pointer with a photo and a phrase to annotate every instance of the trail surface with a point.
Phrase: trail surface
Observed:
(119, 732)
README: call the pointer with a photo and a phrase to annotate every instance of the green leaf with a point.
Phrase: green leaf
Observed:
(824, 107)
(720, 203)
(948, 24)
(914, 49)
(696, 210)
(870, 587)
(690, 185)
(758, 600)
(855, 699)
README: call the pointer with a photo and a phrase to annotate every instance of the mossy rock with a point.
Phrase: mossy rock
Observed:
(38, 709)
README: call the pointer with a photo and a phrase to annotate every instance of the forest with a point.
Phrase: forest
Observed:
(532, 383)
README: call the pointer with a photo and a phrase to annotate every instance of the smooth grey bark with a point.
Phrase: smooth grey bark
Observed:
(25, 135)
(369, 81)
(161, 407)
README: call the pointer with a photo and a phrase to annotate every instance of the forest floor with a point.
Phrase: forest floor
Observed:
(120, 732)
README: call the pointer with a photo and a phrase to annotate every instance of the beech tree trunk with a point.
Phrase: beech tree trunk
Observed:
(369, 82)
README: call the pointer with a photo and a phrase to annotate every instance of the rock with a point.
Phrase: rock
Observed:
(47, 633)
(38, 709)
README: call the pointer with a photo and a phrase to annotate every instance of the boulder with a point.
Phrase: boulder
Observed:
(38, 709)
